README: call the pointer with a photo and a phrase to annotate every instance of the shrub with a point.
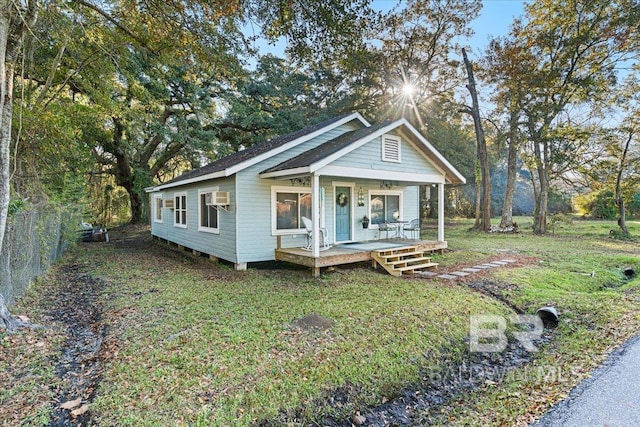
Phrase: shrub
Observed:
(633, 207)
(603, 206)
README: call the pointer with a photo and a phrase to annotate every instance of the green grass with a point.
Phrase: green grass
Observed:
(195, 343)
(237, 360)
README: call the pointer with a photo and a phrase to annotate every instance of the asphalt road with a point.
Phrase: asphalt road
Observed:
(611, 397)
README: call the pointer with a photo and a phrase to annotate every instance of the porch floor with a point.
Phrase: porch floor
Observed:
(348, 253)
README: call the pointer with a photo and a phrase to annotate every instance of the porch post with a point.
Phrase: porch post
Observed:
(441, 212)
(315, 215)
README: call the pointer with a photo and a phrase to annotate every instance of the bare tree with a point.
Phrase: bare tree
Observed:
(485, 178)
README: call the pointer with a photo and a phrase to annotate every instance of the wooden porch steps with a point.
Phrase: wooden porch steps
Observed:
(406, 259)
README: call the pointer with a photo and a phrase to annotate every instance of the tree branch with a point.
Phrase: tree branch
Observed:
(115, 22)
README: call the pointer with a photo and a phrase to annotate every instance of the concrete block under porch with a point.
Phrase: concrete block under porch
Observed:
(349, 253)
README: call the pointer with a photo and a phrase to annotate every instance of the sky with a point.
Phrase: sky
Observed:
(495, 19)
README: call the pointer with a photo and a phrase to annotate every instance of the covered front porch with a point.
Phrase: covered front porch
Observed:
(334, 207)
(353, 189)
(353, 252)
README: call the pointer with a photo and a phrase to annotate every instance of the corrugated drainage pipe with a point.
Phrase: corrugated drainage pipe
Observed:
(549, 316)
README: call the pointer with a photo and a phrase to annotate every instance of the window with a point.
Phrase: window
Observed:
(209, 215)
(385, 207)
(391, 148)
(157, 207)
(290, 204)
(180, 210)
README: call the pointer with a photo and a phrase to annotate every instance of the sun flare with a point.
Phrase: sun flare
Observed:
(408, 89)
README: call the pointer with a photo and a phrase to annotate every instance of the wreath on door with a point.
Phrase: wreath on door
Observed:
(342, 200)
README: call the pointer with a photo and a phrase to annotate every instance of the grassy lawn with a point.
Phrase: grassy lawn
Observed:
(195, 343)
(209, 345)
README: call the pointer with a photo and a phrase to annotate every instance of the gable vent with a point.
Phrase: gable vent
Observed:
(391, 148)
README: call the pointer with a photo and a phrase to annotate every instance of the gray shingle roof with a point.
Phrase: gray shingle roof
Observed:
(251, 152)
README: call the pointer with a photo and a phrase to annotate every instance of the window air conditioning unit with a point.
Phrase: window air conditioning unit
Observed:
(167, 203)
(217, 198)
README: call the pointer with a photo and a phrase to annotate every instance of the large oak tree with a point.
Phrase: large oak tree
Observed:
(153, 76)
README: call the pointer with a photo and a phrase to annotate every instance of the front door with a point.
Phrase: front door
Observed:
(343, 214)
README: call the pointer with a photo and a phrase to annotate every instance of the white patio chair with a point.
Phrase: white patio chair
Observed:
(308, 225)
(414, 228)
(383, 227)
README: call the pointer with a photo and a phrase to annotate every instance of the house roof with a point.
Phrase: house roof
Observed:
(235, 162)
(322, 151)
(320, 156)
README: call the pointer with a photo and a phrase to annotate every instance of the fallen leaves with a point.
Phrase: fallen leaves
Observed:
(25, 379)
(70, 404)
(359, 419)
(81, 410)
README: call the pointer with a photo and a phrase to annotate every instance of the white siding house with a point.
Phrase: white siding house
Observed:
(342, 169)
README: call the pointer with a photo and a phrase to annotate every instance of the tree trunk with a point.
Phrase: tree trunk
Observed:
(135, 199)
(534, 187)
(541, 153)
(478, 177)
(127, 174)
(6, 83)
(542, 202)
(6, 69)
(481, 147)
(512, 169)
(540, 220)
(13, 23)
(622, 218)
(126, 180)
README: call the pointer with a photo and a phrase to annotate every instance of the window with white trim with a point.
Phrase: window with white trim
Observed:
(157, 207)
(385, 206)
(288, 206)
(391, 148)
(180, 210)
(209, 216)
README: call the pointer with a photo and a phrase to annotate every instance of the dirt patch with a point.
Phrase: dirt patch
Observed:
(313, 322)
(494, 290)
(74, 303)
(428, 402)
